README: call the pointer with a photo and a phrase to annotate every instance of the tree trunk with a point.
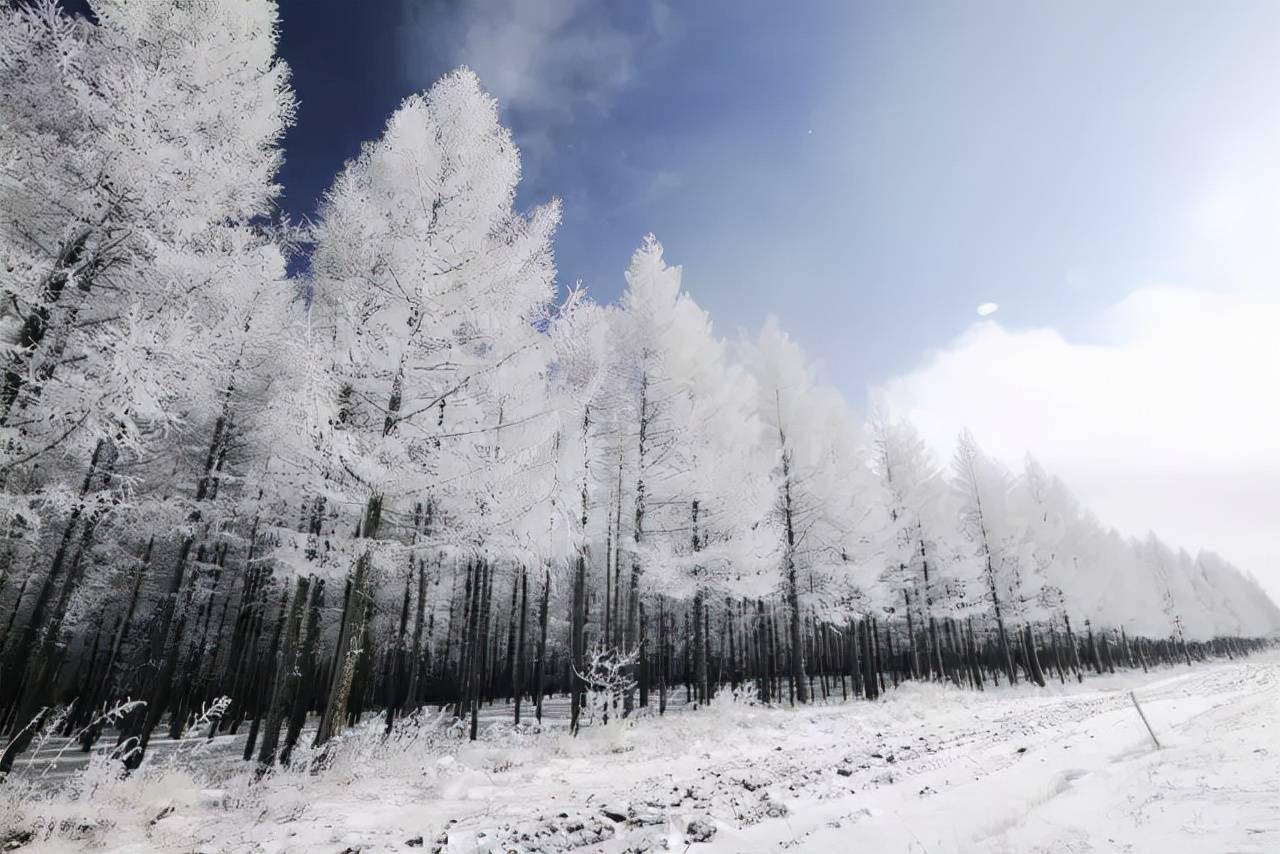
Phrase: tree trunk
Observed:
(540, 676)
(287, 676)
(413, 696)
(633, 597)
(264, 680)
(577, 685)
(347, 655)
(396, 687)
(1033, 657)
(518, 672)
(793, 587)
(36, 324)
(350, 640)
(15, 690)
(102, 692)
(308, 665)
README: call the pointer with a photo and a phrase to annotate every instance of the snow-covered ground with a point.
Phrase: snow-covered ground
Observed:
(927, 769)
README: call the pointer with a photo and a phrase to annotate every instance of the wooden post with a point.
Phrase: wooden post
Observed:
(1141, 714)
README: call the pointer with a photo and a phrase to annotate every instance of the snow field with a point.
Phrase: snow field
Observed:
(928, 769)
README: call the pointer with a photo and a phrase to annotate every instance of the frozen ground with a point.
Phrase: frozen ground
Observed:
(928, 769)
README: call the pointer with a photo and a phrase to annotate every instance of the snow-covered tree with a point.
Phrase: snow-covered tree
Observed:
(981, 487)
(430, 290)
(136, 166)
(919, 537)
(805, 438)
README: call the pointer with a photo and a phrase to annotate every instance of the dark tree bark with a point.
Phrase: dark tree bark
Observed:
(35, 325)
(518, 674)
(265, 677)
(540, 676)
(1033, 656)
(416, 663)
(309, 667)
(288, 675)
(796, 642)
(395, 688)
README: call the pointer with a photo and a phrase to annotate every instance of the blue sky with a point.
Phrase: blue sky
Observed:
(871, 172)
(868, 171)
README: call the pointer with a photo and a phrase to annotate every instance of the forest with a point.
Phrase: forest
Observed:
(280, 480)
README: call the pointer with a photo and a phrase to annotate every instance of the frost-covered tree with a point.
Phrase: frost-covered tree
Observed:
(918, 536)
(644, 394)
(809, 518)
(981, 487)
(429, 293)
(702, 489)
(129, 204)
(137, 162)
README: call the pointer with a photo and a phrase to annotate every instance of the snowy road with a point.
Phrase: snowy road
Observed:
(1072, 773)
(929, 769)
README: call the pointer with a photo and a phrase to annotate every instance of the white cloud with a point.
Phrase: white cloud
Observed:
(987, 309)
(536, 55)
(1173, 424)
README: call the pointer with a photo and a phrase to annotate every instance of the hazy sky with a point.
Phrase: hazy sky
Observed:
(871, 172)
